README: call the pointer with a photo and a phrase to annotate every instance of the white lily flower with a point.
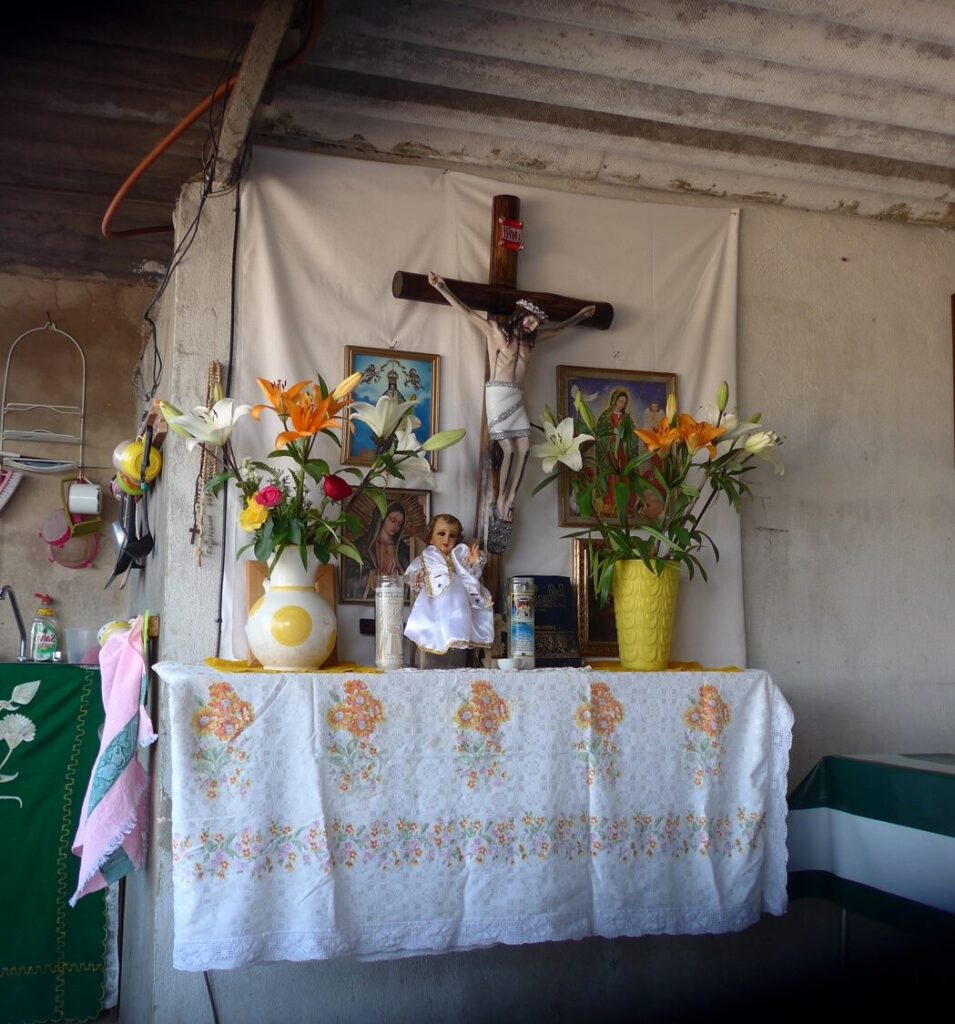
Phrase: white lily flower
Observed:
(561, 446)
(756, 443)
(210, 426)
(443, 439)
(383, 418)
(762, 445)
(408, 443)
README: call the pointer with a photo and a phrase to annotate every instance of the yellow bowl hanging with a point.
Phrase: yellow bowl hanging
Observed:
(131, 460)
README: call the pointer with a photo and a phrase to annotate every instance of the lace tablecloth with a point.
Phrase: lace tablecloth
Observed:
(387, 815)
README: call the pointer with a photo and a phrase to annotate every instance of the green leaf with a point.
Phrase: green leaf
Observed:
(352, 471)
(605, 582)
(295, 528)
(379, 499)
(585, 501)
(214, 484)
(263, 547)
(621, 497)
(547, 480)
(349, 551)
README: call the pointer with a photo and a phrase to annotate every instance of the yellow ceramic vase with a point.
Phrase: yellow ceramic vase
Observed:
(645, 606)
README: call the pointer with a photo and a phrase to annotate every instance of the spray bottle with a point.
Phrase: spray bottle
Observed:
(45, 632)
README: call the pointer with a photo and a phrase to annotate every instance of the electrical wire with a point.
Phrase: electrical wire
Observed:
(233, 294)
(222, 90)
(182, 247)
(227, 79)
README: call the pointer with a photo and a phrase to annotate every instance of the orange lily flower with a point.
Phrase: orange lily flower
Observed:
(279, 398)
(699, 434)
(660, 438)
(310, 414)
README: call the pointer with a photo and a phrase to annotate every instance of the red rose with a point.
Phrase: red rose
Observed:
(336, 488)
(268, 497)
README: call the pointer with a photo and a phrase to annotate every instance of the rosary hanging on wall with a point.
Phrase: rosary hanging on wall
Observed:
(207, 468)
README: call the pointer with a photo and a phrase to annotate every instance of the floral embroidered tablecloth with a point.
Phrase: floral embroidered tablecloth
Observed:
(387, 815)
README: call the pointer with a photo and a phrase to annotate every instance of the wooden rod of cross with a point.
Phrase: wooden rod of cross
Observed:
(500, 298)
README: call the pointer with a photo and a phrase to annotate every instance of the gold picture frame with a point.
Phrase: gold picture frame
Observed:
(357, 583)
(597, 626)
(407, 375)
(641, 388)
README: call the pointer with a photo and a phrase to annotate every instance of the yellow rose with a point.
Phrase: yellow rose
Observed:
(252, 516)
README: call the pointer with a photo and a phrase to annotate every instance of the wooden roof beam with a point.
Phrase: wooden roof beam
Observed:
(257, 65)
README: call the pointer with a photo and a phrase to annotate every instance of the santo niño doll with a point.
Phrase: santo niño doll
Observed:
(453, 609)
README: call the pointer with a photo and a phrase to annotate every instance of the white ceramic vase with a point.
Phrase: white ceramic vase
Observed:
(291, 626)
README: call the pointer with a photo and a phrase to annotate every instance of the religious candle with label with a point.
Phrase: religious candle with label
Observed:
(389, 627)
(520, 620)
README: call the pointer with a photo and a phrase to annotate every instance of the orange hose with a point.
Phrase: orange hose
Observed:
(189, 120)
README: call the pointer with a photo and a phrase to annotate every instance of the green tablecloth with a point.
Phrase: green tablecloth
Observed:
(52, 956)
(876, 834)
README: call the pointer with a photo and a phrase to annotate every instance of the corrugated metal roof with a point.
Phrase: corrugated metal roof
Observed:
(834, 105)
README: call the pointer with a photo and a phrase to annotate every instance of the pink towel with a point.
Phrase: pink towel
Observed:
(111, 838)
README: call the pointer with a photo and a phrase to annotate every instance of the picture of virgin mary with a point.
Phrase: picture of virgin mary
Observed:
(387, 543)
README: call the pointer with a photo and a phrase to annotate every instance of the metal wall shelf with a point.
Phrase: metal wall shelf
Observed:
(27, 462)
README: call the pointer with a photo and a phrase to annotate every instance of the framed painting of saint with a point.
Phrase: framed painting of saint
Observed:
(597, 626)
(406, 376)
(634, 398)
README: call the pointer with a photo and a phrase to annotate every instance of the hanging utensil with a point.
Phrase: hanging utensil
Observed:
(144, 542)
(125, 558)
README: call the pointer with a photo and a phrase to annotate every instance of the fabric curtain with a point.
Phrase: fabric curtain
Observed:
(321, 238)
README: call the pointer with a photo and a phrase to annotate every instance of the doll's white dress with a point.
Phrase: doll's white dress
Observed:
(453, 609)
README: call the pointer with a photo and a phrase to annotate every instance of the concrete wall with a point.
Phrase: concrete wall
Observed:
(105, 318)
(845, 343)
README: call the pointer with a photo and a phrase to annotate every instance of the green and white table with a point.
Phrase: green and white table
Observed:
(876, 834)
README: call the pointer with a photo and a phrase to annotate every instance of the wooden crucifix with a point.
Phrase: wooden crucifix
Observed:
(517, 319)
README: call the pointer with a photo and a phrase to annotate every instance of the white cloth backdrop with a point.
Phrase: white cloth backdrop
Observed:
(320, 240)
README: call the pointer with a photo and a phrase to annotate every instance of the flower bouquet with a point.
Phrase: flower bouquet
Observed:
(279, 507)
(650, 490)
(293, 502)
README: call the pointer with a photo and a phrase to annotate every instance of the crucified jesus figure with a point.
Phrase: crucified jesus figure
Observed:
(508, 349)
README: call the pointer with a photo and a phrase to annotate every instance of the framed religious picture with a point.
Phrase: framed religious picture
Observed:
(597, 626)
(387, 544)
(405, 375)
(614, 397)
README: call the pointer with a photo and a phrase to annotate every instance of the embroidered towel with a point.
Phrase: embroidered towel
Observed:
(110, 840)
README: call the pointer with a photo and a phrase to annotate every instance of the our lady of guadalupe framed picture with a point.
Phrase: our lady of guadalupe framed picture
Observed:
(387, 543)
(406, 376)
(635, 398)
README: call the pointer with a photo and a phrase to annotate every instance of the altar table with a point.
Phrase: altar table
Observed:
(402, 813)
(876, 834)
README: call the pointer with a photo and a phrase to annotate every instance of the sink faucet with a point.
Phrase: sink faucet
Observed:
(7, 591)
